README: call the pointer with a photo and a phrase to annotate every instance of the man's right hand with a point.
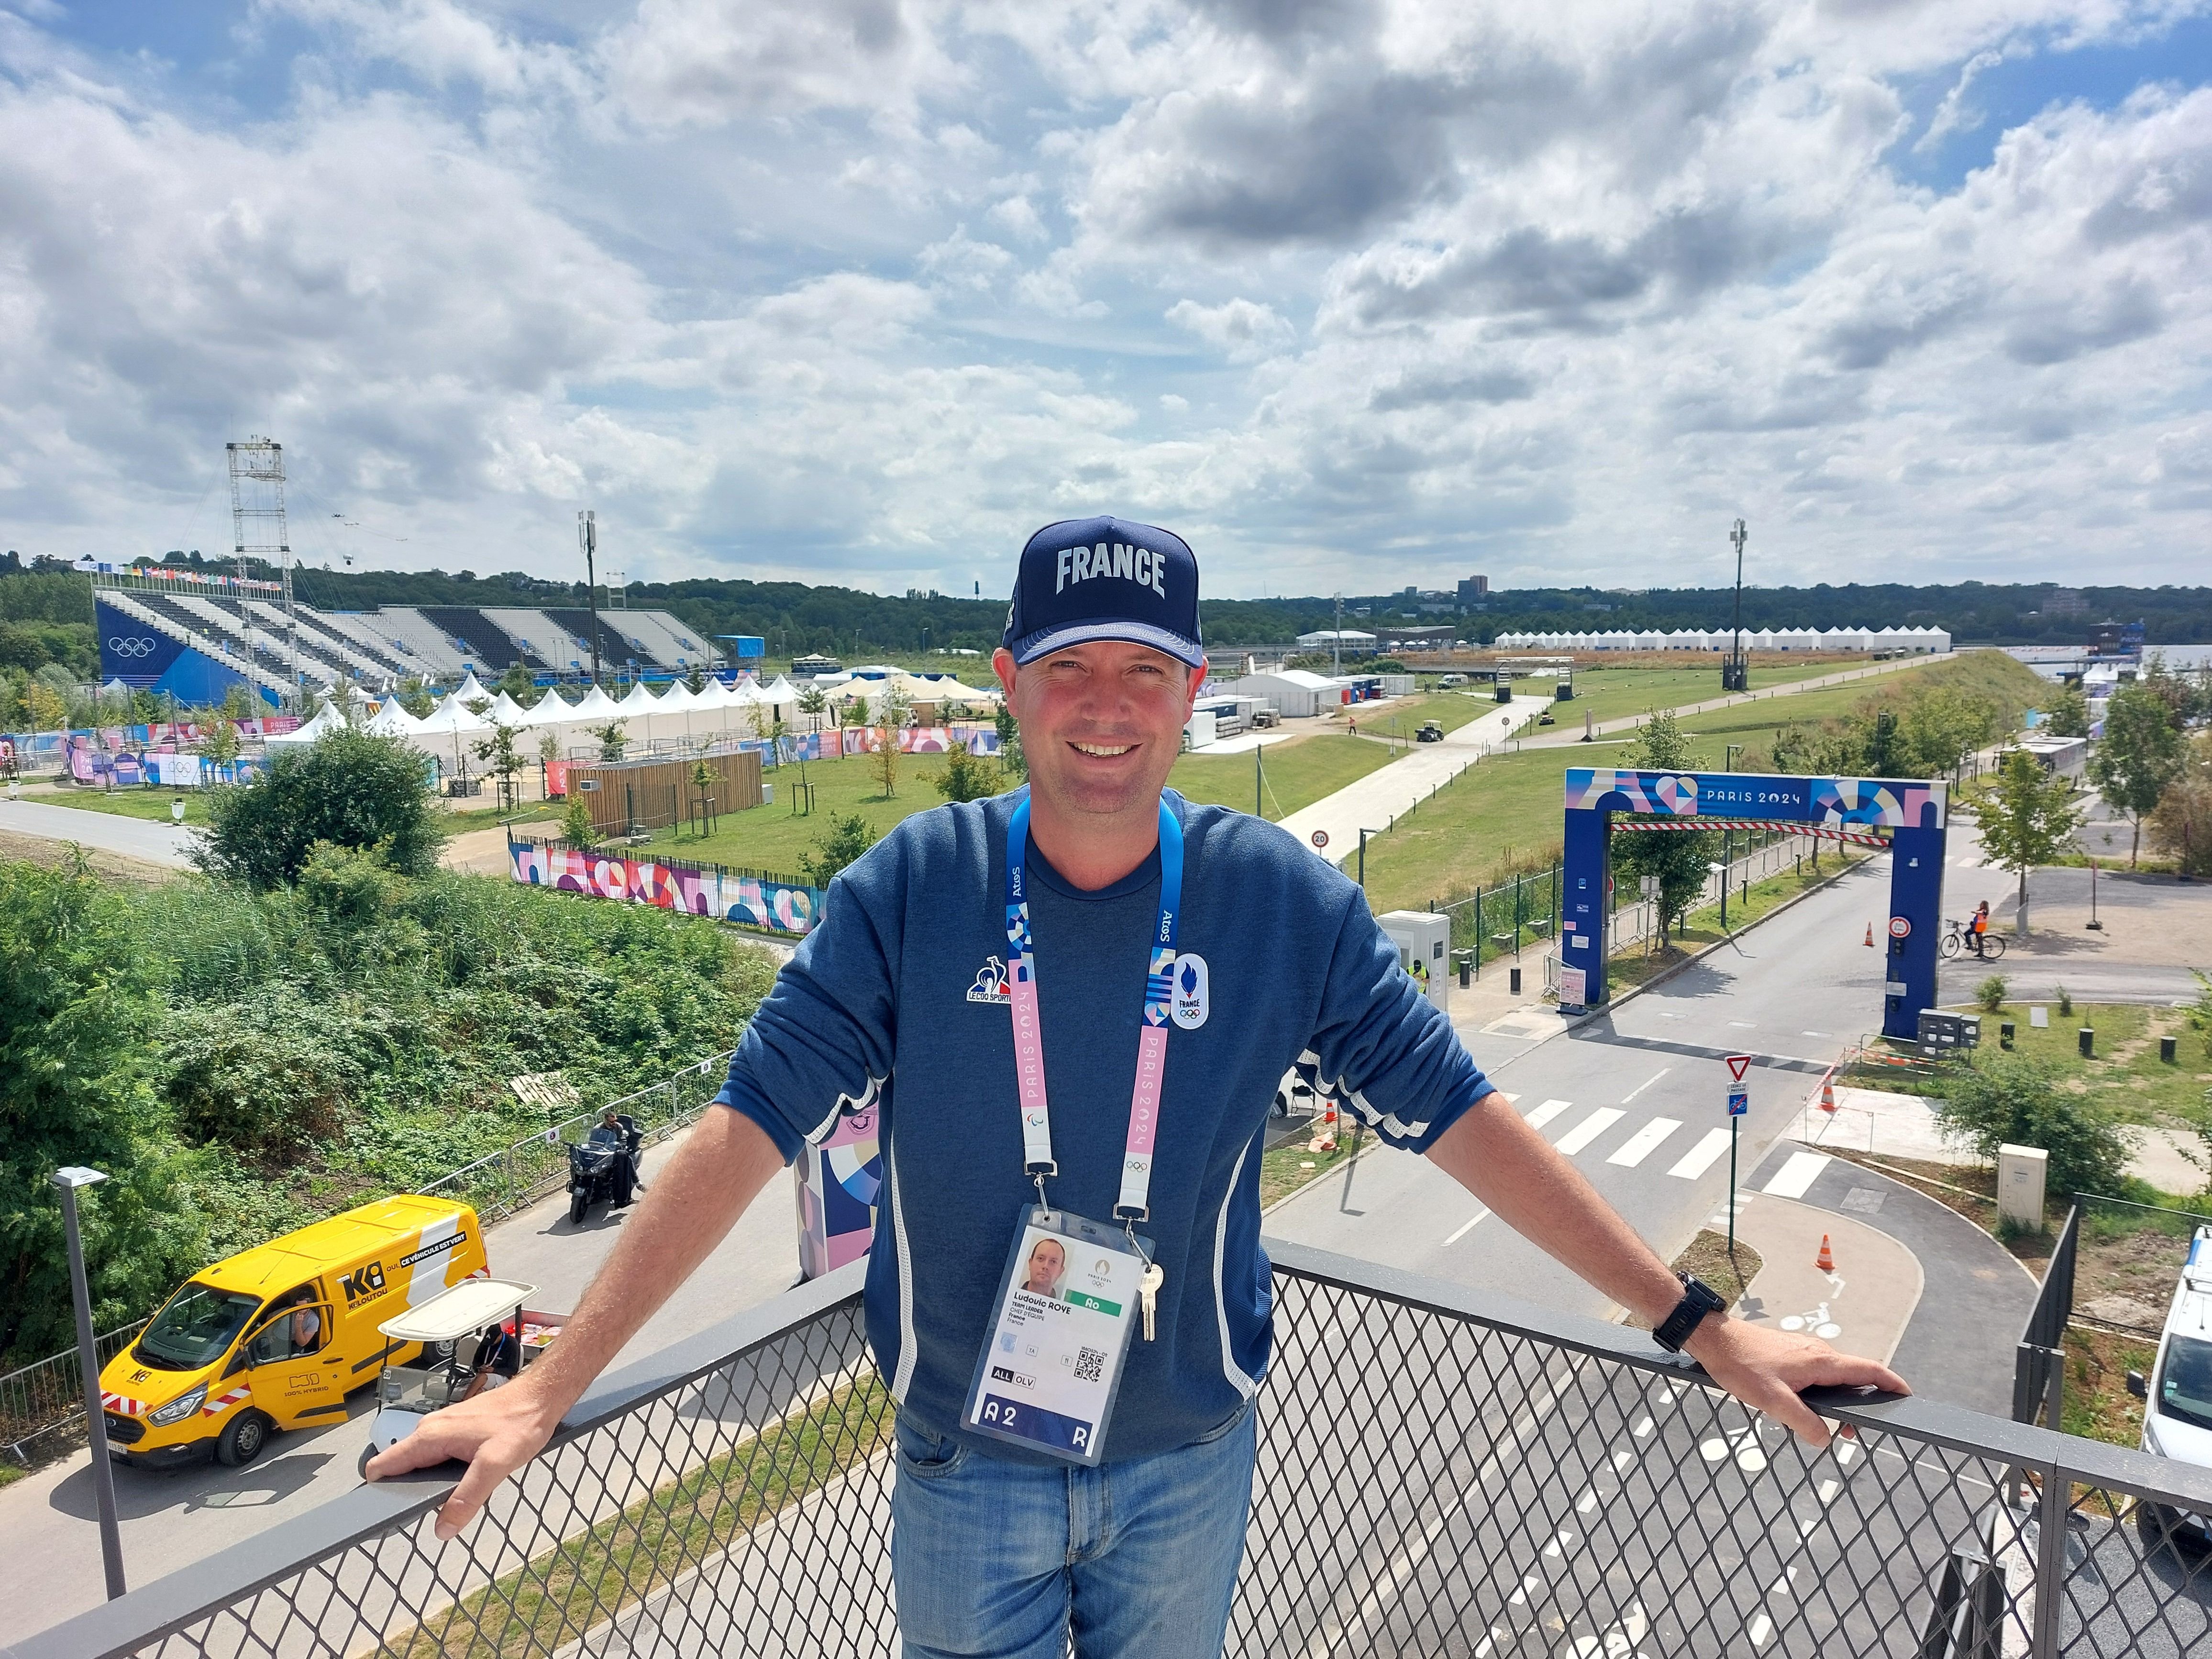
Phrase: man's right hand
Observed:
(495, 1433)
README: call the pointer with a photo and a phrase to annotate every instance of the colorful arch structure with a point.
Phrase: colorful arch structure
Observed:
(1912, 810)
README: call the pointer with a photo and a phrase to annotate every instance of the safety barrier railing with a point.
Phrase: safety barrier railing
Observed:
(1442, 1471)
(44, 1401)
(524, 1172)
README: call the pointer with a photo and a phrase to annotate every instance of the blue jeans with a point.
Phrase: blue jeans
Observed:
(1136, 1560)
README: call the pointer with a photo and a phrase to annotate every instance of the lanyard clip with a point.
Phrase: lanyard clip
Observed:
(1038, 1172)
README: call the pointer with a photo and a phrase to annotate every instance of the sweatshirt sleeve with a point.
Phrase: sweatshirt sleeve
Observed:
(1381, 1047)
(820, 1044)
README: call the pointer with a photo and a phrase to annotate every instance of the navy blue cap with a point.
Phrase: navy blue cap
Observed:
(1105, 579)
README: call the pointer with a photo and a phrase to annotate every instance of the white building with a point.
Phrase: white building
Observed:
(1349, 640)
(1295, 693)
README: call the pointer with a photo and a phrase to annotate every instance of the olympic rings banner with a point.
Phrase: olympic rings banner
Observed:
(762, 902)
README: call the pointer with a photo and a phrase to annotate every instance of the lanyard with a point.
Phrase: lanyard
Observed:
(1152, 1036)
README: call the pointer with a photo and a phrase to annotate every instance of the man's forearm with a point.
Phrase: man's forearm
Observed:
(1542, 1196)
(722, 1165)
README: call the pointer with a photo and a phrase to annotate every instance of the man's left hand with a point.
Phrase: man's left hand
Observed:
(1765, 1369)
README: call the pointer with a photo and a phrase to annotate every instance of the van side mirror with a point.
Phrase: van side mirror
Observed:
(2137, 1387)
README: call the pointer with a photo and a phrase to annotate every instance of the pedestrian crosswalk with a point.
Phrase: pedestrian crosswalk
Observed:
(1594, 1129)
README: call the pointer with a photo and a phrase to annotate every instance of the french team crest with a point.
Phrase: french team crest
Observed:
(991, 984)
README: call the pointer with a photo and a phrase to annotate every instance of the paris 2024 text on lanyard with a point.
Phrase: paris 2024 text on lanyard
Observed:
(1074, 1287)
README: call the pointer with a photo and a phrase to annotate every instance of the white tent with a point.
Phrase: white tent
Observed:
(640, 704)
(596, 705)
(551, 709)
(470, 689)
(505, 711)
(453, 715)
(783, 692)
(327, 720)
(677, 697)
(392, 721)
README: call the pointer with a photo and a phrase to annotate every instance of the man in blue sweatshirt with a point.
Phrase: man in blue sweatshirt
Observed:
(1071, 1006)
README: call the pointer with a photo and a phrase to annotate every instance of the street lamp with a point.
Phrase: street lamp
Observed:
(103, 1471)
(1721, 869)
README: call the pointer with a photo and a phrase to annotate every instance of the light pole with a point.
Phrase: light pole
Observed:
(1735, 677)
(103, 1471)
(587, 530)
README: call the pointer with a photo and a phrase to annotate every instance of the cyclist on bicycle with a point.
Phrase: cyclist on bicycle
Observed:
(1980, 926)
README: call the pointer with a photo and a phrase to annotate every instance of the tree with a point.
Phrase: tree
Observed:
(2139, 755)
(1677, 857)
(2181, 824)
(415, 697)
(237, 702)
(695, 681)
(967, 776)
(505, 759)
(2068, 714)
(1011, 758)
(1941, 725)
(612, 740)
(891, 719)
(347, 788)
(813, 702)
(2027, 819)
(576, 826)
(77, 1007)
(43, 708)
(219, 746)
(2016, 1100)
(846, 838)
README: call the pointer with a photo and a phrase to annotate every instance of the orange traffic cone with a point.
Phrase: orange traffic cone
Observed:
(1825, 1262)
(1827, 1096)
(1869, 935)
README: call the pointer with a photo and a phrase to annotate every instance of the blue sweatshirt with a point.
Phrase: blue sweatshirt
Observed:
(890, 1002)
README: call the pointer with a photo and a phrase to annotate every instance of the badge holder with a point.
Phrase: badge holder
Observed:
(1050, 1372)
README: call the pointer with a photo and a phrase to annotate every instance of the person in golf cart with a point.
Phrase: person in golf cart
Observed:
(477, 1335)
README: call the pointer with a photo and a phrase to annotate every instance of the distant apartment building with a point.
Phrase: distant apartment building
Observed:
(1475, 589)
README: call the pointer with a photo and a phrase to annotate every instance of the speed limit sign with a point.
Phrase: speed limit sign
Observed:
(1320, 839)
(1899, 927)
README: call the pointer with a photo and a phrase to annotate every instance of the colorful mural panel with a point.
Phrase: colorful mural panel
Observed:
(1885, 802)
(749, 901)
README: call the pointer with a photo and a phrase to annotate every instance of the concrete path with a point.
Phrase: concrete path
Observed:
(1377, 800)
(1630, 722)
(112, 832)
(1860, 1307)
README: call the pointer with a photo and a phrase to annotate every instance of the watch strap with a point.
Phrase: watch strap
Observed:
(1698, 1299)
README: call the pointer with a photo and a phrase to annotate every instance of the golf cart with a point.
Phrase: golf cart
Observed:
(477, 1335)
(1429, 732)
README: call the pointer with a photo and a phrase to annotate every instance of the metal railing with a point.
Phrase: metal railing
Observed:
(46, 1398)
(1441, 1471)
(2038, 1371)
(519, 1174)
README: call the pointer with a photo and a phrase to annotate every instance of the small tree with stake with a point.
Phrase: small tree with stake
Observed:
(890, 720)
(1678, 859)
(505, 760)
(2140, 753)
(2027, 819)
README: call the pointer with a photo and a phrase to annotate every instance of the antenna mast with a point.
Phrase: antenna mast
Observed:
(587, 531)
(1735, 673)
(257, 526)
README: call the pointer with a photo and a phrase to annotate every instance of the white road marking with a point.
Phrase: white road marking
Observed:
(1546, 1112)
(1812, 1034)
(1795, 1178)
(1591, 1128)
(1845, 1451)
(1744, 1024)
(1762, 1630)
(1646, 1083)
(1643, 1427)
(1622, 1459)
(1641, 1144)
(1588, 1502)
(1827, 1492)
(1700, 1158)
(1467, 1229)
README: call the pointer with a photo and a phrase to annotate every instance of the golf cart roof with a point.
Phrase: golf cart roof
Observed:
(469, 1306)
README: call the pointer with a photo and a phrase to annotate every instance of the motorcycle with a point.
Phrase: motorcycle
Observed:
(601, 1172)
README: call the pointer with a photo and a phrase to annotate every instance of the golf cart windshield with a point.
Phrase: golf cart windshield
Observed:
(194, 1327)
(2185, 1381)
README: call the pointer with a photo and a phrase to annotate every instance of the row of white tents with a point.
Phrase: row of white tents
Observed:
(678, 712)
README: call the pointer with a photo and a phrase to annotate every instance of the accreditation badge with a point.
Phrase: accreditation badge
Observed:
(1065, 1307)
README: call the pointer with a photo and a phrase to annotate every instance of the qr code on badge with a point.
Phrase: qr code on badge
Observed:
(1089, 1365)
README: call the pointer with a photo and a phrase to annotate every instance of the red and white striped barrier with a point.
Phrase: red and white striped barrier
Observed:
(1856, 838)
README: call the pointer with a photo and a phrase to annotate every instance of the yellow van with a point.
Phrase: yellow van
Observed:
(278, 1335)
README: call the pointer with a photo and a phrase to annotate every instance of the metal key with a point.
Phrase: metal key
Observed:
(1148, 1290)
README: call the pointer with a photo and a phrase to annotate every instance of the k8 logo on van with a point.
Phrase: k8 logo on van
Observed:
(363, 1283)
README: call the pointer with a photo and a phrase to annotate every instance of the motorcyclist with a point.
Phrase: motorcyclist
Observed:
(611, 1134)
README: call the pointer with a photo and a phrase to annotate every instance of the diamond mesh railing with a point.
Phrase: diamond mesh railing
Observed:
(1442, 1472)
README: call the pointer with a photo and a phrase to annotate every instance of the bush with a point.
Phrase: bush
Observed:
(968, 777)
(2065, 1003)
(848, 838)
(1990, 993)
(2014, 1100)
(348, 788)
(267, 1077)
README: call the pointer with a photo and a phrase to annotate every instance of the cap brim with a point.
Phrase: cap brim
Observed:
(1028, 648)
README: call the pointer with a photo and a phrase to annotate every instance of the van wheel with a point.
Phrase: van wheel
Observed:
(242, 1439)
(578, 1205)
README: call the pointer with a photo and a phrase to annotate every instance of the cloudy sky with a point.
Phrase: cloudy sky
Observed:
(1353, 293)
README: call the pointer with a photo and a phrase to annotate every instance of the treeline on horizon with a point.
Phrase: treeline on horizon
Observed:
(796, 619)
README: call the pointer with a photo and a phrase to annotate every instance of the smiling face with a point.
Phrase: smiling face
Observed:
(1102, 724)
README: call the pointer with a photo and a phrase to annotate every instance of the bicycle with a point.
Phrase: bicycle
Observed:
(1959, 940)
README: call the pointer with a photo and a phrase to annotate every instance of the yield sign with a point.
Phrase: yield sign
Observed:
(1738, 1065)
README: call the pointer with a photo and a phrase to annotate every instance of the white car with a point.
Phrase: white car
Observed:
(2177, 1399)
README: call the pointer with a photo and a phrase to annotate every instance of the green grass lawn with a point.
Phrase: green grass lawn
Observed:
(129, 802)
(1610, 693)
(1449, 709)
(1296, 774)
(2125, 1076)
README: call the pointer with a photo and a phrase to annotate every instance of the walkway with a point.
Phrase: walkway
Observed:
(1630, 722)
(1377, 800)
(112, 832)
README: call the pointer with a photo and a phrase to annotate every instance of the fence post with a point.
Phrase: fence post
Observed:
(2049, 1558)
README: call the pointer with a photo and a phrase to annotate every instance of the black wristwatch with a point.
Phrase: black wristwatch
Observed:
(1698, 1299)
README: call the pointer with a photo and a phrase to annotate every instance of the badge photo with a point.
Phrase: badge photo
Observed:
(1190, 999)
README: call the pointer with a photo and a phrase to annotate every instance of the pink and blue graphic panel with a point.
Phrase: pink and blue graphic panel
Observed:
(1883, 803)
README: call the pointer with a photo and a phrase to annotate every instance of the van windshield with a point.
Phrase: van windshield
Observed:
(194, 1327)
(2184, 1382)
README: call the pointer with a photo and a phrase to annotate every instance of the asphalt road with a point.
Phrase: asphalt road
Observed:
(47, 1532)
(137, 838)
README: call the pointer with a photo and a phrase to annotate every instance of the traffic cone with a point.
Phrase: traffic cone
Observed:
(1869, 935)
(1827, 1096)
(1825, 1262)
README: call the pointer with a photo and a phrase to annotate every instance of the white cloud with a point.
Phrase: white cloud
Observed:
(1241, 330)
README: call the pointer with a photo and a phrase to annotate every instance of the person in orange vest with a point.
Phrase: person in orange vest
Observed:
(1980, 924)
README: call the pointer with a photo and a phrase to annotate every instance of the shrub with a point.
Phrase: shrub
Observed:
(968, 777)
(1990, 993)
(848, 838)
(348, 788)
(2016, 1100)
(2065, 1003)
(266, 1077)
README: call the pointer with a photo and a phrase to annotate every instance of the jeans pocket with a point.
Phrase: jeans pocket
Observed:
(926, 1455)
(1236, 1417)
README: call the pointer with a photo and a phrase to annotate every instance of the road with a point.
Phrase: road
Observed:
(1565, 734)
(171, 1521)
(137, 838)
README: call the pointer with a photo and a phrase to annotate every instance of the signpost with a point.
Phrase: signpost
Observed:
(1320, 839)
(1738, 1103)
